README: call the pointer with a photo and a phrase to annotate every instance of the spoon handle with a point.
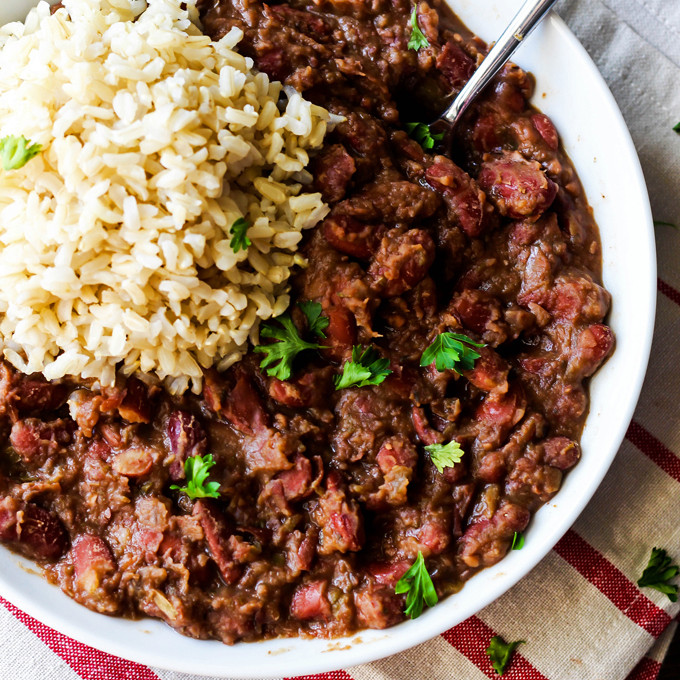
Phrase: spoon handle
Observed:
(519, 28)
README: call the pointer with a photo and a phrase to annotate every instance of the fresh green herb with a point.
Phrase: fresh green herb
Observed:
(659, 223)
(418, 584)
(197, 469)
(238, 231)
(289, 344)
(445, 455)
(316, 323)
(451, 351)
(15, 152)
(517, 541)
(659, 571)
(365, 368)
(500, 652)
(423, 135)
(418, 38)
(676, 127)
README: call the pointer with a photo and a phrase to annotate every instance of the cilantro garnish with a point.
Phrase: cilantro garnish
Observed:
(15, 152)
(418, 584)
(451, 351)
(517, 541)
(289, 343)
(500, 652)
(658, 572)
(238, 231)
(197, 469)
(317, 324)
(418, 38)
(423, 135)
(365, 368)
(445, 455)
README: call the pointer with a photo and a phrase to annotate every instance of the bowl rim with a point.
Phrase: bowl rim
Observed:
(366, 646)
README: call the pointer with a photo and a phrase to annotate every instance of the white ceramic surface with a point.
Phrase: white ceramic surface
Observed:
(573, 93)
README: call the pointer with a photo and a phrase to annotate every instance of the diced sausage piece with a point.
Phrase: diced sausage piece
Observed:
(137, 405)
(531, 483)
(186, 438)
(333, 170)
(455, 64)
(481, 313)
(593, 345)
(310, 601)
(426, 434)
(377, 606)
(576, 297)
(217, 536)
(499, 413)
(490, 373)
(34, 394)
(561, 452)
(401, 262)
(492, 467)
(352, 237)
(297, 481)
(300, 550)
(546, 129)
(464, 200)
(341, 334)
(92, 562)
(396, 451)
(308, 389)
(35, 440)
(133, 462)
(519, 188)
(241, 405)
(36, 533)
(485, 542)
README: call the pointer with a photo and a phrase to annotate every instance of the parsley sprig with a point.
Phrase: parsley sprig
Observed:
(500, 652)
(239, 237)
(15, 152)
(517, 541)
(417, 583)
(452, 351)
(418, 38)
(280, 354)
(658, 572)
(365, 368)
(445, 455)
(197, 469)
(423, 135)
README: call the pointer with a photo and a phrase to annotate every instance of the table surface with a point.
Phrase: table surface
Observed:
(671, 666)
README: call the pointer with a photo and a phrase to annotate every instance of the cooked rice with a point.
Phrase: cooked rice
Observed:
(114, 240)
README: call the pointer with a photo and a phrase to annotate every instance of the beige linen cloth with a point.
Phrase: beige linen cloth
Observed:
(579, 610)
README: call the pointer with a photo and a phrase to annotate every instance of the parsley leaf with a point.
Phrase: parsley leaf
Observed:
(500, 652)
(317, 324)
(15, 152)
(418, 584)
(676, 127)
(659, 223)
(418, 38)
(197, 469)
(659, 571)
(365, 368)
(445, 455)
(451, 351)
(422, 134)
(240, 240)
(289, 344)
(517, 541)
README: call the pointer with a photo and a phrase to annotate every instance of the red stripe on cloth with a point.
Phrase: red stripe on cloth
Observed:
(654, 449)
(87, 662)
(612, 583)
(668, 291)
(647, 669)
(333, 675)
(471, 638)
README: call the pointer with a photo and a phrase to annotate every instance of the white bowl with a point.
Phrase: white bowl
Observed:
(572, 92)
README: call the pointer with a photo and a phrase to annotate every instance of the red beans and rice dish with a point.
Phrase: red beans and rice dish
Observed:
(327, 496)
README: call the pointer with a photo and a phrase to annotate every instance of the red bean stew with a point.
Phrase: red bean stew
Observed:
(325, 497)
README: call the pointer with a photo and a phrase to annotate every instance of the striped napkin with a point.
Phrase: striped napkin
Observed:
(580, 612)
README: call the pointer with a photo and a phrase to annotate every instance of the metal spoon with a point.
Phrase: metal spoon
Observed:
(528, 17)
